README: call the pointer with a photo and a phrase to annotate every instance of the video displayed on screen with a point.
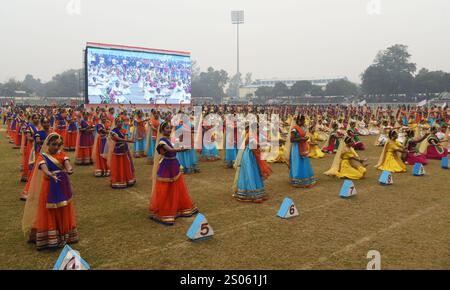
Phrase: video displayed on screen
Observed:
(135, 77)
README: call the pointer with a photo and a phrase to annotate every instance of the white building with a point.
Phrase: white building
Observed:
(251, 89)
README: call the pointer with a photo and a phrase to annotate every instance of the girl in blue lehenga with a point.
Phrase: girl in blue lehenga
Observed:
(230, 145)
(209, 151)
(300, 170)
(187, 158)
(152, 131)
(251, 172)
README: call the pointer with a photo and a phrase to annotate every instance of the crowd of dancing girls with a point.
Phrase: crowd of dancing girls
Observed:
(111, 139)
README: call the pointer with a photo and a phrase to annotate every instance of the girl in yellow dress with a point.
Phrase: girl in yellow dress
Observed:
(314, 139)
(347, 163)
(390, 157)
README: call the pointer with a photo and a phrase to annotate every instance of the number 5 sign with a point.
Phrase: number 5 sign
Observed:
(200, 229)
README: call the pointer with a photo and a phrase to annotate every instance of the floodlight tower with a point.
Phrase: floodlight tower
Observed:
(237, 17)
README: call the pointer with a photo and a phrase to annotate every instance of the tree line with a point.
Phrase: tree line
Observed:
(391, 74)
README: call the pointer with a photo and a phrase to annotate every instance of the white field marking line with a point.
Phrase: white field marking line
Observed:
(228, 230)
(370, 237)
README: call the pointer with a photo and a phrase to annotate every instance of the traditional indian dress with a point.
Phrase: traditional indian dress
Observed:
(332, 143)
(152, 132)
(343, 167)
(99, 154)
(187, 158)
(18, 132)
(170, 198)
(434, 149)
(390, 159)
(49, 216)
(314, 149)
(60, 125)
(209, 151)
(85, 142)
(120, 161)
(414, 156)
(139, 137)
(231, 150)
(70, 140)
(39, 136)
(300, 170)
(251, 172)
(357, 144)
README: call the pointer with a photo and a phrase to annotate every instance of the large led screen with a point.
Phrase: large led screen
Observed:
(126, 76)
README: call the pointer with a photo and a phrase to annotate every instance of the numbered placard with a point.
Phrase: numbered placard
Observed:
(287, 209)
(386, 178)
(69, 259)
(348, 189)
(418, 169)
(444, 162)
(200, 229)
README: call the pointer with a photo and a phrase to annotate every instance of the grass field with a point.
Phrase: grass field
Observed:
(408, 222)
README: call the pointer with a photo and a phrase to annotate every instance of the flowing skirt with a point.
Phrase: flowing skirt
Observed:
(301, 172)
(70, 140)
(250, 184)
(413, 158)
(315, 152)
(211, 154)
(54, 227)
(139, 148)
(392, 163)
(435, 153)
(230, 157)
(348, 171)
(170, 201)
(122, 171)
(188, 161)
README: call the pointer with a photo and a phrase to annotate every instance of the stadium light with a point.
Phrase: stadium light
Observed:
(237, 17)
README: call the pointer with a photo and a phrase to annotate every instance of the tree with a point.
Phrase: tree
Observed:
(280, 90)
(390, 73)
(430, 81)
(264, 92)
(341, 88)
(195, 68)
(233, 86)
(248, 79)
(317, 91)
(300, 88)
(210, 83)
(9, 88)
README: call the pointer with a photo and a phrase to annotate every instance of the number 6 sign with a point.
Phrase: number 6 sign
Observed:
(287, 209)
(200, 229)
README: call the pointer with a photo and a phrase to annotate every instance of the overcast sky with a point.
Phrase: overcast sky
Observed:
(283, 38)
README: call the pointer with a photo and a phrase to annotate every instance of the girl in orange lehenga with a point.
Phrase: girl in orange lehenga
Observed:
(49, 216)
(170, 198)
(99, 153)
(85, 142)
(119, 158)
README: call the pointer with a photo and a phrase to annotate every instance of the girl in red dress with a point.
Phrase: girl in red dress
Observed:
(49, 216)
(119, 159)
(85, 141)
(170, 198)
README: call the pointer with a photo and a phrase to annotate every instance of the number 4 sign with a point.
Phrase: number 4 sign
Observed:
(200, 229)
(287, 209)
(348, 189)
